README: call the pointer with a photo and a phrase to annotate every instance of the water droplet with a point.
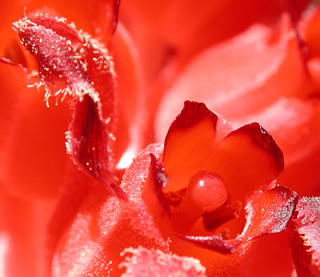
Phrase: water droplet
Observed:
(207, 191)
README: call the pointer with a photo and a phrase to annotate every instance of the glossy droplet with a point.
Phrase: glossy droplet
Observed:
(207, 191)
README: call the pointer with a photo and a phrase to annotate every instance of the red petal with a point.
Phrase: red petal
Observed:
(104, 226)
(87, 141)
(189, 143)
(248, 159)
(264, 140)
(304, 237)
(269, 212)
(309, 222)
(59, 64)
(192, 114)
(240, 76)
(182, 23)
(145, 262)
(97, 17)
(77, 186)
(72, 62)
(294, 125)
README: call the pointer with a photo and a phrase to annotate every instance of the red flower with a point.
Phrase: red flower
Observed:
(195, 206)
(106, 231)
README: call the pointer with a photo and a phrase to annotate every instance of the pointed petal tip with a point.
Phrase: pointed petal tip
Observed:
(264, 140)
(214, 243)
(191, 114)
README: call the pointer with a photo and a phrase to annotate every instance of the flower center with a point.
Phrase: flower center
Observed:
(207, 191)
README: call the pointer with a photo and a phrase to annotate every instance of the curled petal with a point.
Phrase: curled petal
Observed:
(269, 212)
(144, 262)
(309, 225)
(304, 234)
(71, 62)
(59, 63)
(214, 243)
(87, 140)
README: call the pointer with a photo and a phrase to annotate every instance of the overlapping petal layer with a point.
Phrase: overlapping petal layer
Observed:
(105, 227)
(247, 158)
(240, 76)
(70, 62)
